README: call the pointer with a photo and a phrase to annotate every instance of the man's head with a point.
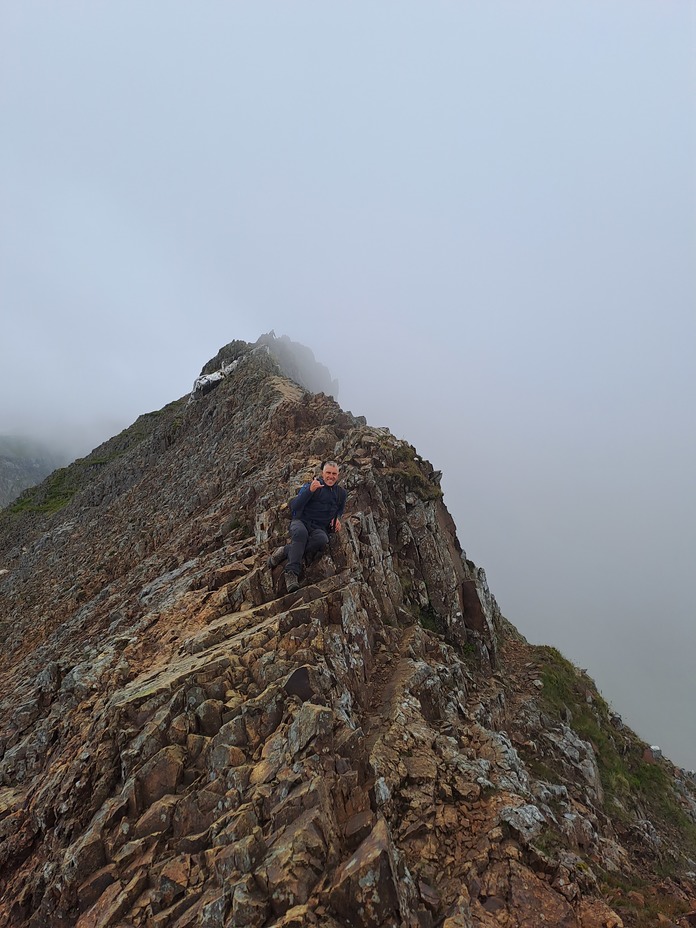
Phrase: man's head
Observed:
(329, 473)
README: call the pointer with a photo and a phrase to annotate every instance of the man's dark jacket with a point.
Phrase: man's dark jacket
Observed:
(321, 507)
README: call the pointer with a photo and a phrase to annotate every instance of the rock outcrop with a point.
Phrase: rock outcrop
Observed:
(185, 744)
(295, 361)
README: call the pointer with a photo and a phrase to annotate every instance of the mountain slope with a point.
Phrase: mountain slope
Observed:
(185, 744)
(23, 463)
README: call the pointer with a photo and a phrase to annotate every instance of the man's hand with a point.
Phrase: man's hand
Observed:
(337, 524)
(315, 484)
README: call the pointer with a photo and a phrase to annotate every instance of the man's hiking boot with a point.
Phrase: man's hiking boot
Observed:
(292, 583)
(277, 557)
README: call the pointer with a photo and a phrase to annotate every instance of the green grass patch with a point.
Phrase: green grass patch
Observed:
(637, 785)
(63, 484)
(51, 496)
(550, 842)
(430, 620)
(616, 889)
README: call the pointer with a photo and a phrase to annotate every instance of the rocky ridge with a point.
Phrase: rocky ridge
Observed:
(185, 744)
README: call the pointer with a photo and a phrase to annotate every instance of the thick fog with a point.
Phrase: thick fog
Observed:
(480, 216)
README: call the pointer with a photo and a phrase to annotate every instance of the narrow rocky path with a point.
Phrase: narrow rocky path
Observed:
(513, 683)
(390, 672)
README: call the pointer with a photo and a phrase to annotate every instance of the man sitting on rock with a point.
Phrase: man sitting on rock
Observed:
(316, 511)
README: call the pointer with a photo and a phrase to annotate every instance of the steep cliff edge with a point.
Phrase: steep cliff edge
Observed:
(184, 744)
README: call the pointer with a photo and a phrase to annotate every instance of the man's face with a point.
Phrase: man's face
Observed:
(330, 475)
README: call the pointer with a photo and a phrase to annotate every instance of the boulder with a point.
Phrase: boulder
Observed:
(365, 890)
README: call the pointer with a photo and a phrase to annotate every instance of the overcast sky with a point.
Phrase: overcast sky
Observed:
(480, 215)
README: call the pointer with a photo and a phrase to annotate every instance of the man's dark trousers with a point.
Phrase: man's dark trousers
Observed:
(305, 539)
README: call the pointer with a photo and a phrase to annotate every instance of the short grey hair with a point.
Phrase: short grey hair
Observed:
(330, 464)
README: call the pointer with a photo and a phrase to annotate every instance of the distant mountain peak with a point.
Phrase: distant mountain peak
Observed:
(295, 360)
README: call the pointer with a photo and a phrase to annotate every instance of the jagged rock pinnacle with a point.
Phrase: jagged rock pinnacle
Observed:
(184, 744)
(295, 360)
